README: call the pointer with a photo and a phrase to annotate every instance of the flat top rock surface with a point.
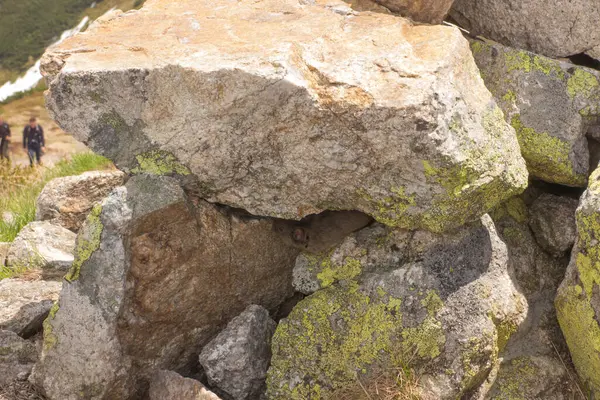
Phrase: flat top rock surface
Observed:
(288, 109)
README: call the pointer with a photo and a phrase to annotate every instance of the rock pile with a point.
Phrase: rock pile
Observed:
(319, 193)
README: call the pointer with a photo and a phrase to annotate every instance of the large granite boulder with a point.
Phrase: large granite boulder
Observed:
(42, 245)
(17, 357)
(25, 304)
(429, 11)
(551, 104)
(444, 305)
(578, 299)
(169, 385)
(67, 201)
(286, 108)
(236, 361)
(157, 275)
(558, 28)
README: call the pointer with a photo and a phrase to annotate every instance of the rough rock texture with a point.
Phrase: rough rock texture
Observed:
(552, 219)
(594, 53)
(578, 299)
(17, 356)
(557, 28)
(551, 105)
(168, 385)
(25, 304)
(43, 245)
(429, 11)
(157, 275)
(287, 109)
(444, 304)
(3, 253)
(530, 367)
(67, 201)
(236, 361)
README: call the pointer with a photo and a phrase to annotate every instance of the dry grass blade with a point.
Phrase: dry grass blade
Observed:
(394, 384)
(573, 379)
(20, 391)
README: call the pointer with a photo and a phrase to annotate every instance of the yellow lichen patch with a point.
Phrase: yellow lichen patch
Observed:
(88, 242)
(547, 157)
(159, 162)
(582, 83)
(331, 273)
(514, 384)
(50, 339)
(393, 209)
(579, 324)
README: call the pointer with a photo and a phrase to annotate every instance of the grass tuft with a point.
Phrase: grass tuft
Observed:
(20, 187)
(396, 384)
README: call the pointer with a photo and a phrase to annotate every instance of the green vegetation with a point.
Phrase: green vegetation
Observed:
(21, 187)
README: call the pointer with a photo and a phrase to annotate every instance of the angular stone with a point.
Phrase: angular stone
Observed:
(169, 385)
(559, 28)
(429, 11)
(443, 304)
(578, 299)
(67, 201)
(43, 245)
(553, 223)
(158, 274)
(288, 109)
(551, 105)
(236, 361)
(25, 304)
(594, 53)
(17, 356)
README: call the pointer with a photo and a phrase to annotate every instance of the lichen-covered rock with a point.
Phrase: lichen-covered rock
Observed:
(169, 385)
(552, 219)
(287, 109)
(578, 299)
(157, 275)
(551, 105)
(42, 245)
(429, 11)
(17, 356)
(25, 304)
(558, 28)
(236, 361)
(444, 304)
(67, 201)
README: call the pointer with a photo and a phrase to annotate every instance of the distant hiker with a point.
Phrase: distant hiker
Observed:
(33, 141)
(4, 140)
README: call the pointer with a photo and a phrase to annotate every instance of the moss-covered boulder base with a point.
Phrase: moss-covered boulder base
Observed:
(578, 299)
(551, 104)
(443, 304)
(287, 108)
(156, 276)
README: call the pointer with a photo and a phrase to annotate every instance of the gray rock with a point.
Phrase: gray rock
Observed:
(3, 253)
(441, 304)
(594, 53)
(429, 11)
(552, 219)
(357, 114)
(17, 357)
(578, 299)
(168, 385)
(25, 304)
(67, 201)
(42, 245)
(157, 275)
(552, 105)
(560, 28)
(236, 361)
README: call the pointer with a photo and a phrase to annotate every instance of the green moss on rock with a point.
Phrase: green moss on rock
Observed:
(158, 162)
(50, 339)
(582, 83)
(87, 242)
(331, 273)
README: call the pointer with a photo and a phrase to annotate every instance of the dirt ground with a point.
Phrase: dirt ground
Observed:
(58, 144)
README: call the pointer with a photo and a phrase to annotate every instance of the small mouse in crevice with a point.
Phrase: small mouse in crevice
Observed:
(320, 232)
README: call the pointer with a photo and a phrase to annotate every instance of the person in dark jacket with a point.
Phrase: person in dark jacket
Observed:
(33, 141)
(4, 140)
